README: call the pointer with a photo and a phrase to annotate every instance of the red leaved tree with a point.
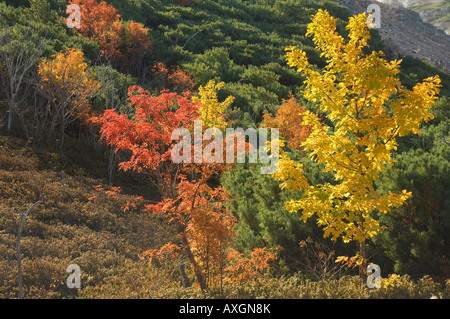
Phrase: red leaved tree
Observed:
(196, 208)
(147, 136)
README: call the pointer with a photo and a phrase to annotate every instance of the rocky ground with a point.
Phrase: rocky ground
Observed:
(436, 12)
(404, 31)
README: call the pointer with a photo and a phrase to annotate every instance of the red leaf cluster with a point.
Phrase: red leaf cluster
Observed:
(193, 205)
(148, 135)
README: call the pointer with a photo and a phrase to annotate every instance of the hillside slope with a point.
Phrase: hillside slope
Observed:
(71, 227)
(243, 44)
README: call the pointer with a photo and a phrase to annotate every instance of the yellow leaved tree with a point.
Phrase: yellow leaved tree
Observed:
(68, 86)
(211, 110)
(362, 96)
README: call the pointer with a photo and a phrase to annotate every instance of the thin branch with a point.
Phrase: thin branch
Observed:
(189, 39)
(19, 236)
(445, 141)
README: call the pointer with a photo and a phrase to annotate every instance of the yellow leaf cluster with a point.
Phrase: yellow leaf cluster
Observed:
(364, 99)
(211, 110)
(65, 80)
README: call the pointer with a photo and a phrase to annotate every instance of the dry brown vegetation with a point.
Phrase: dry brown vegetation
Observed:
(72, 227)
(68, 228)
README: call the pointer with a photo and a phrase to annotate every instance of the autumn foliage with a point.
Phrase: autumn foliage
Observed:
(165, 115)
(211, 110)
(69, 87)
(369, 108)
(97, 18)
(171, 78)
(288, 120)
(205, 226)
(124, 45)
(147, 137)
(242, 269)
(204, 223)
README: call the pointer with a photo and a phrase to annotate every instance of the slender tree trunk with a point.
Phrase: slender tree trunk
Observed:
(61, 145)
(187, 248)
(11, 114)
(184, 278)
(10, 119)
(363, 267)
(111, 162)
(198, 273)
(19, 259)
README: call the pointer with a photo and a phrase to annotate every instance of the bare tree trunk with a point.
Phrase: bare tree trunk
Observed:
(198, 273)
(363, 266)
(11, 114)
(18, 62)
(19, 236)
(184, 278)
(19, 259)
(111, 162)
(61, 141)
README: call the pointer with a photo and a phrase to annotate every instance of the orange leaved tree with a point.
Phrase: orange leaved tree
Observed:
(97, 18)
(288, 120)
(123, 45)
(173, 78)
